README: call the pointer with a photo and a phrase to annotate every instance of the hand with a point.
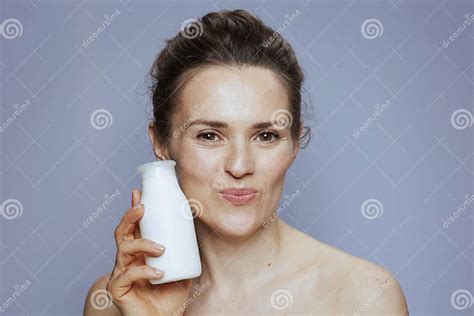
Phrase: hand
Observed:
(128, 286)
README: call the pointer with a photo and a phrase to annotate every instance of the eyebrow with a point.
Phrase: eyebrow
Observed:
(218, 124)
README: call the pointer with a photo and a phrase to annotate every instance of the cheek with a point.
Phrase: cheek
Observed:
(197, 165)
(274, 164)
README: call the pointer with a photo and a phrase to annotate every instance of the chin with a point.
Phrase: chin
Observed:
(238, 226)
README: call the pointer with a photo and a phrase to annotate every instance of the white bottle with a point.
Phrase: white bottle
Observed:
(168, 220)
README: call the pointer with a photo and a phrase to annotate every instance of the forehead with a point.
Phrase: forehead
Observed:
(231, 93)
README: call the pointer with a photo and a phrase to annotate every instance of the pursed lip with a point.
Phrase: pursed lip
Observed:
(238, 191)
(239, 196)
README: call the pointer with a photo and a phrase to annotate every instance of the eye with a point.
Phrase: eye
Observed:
(267, 136)
(208, 136)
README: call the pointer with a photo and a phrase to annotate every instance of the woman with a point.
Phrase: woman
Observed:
(227, 109)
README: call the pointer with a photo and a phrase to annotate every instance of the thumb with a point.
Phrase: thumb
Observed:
(136, 200)
(136, 197)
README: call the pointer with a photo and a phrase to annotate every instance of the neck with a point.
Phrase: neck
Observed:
(230, 264)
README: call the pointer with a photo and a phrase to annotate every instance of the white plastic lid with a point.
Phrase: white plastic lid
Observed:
(159, 167)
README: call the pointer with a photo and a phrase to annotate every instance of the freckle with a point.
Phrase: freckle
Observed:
(269, 264)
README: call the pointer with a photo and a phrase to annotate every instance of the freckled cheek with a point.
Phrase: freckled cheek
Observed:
(273, 165)
(199, 165)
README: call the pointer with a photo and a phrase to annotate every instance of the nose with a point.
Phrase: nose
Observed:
(239, 159)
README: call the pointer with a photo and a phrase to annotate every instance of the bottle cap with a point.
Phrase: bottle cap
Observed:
(157, 168)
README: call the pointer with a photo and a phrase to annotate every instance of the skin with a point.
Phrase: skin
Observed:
(243, 262)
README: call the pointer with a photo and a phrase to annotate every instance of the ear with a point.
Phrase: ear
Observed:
(160, 152)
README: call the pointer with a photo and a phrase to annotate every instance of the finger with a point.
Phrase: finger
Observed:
(128, 223)
(123, 282)
(129, 249)
(138, 195)
(137, 233)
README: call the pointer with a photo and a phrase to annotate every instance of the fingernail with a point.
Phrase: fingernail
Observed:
(159, 272)
(159, 247)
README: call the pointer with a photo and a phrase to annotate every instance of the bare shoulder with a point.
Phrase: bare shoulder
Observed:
(371, 288)
(357, 285)
(97, 302)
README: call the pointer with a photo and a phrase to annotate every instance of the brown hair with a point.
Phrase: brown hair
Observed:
(231, 38)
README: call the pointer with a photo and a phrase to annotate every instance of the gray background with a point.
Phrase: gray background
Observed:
(413, 158)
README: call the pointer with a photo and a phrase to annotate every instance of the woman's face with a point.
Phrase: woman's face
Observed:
(231, 150)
